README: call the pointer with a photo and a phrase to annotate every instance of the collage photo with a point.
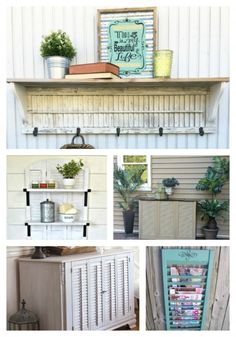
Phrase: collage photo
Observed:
(118, 168)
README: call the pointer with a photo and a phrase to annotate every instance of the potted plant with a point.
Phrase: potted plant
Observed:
(213, 182)
(168, 184)
(126, 183)
(58, 50)
(69, 171)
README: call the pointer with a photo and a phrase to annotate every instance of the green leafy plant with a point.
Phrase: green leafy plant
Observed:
(170, 182)
(71, 169)
(57, 43)
(215, 178)
(126, 183)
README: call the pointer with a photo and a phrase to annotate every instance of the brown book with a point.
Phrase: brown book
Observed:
(91, 76)
(100, 67)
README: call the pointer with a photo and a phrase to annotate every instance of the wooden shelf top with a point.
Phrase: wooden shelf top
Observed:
(130, 82)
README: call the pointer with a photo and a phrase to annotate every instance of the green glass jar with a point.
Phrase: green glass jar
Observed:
(51, 184)
(162, 63)
(35, 184)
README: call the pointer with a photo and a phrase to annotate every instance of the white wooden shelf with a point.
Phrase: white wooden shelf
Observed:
(135, 106)
(58, 223)
(56, 190)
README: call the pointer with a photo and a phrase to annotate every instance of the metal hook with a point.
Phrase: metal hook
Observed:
(160, 131)
(78, 132)
(201, 131)
(35, 132)
(118, 131)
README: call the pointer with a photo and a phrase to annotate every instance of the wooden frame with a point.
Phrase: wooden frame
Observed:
(146, 69)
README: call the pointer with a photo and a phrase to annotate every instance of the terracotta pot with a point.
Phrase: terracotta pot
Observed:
(128, 217)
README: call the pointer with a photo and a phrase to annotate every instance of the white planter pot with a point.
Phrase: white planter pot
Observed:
(168, 190)
(57, 66)
(68, 183)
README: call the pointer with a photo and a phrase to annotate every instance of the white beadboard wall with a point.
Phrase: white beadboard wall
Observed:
(97, 207)
(199, 37)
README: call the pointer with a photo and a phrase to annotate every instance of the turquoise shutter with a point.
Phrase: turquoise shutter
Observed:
(186, 281)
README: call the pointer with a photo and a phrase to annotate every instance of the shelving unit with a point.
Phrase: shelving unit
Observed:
(132, 106)
(186, 281)
(77, 196)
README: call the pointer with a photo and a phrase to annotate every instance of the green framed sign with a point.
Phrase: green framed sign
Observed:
(127, 37)
(126, 45)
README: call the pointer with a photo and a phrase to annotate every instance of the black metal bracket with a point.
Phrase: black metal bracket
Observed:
(201, 131)
(160, 131)
(85, 229)
(118, 131)
(27, 196)
(35, 131)
(86, 197)
(28, 229)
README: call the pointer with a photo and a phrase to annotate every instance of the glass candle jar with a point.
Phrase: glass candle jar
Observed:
(43, 184)
(162, 63)
(51, 184)
(35, 184)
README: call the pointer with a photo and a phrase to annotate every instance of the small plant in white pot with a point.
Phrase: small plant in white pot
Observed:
(58, 50)
(169, 184)
(69, 171)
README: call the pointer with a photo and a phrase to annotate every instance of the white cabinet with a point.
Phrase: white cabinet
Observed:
(167, 219)
(89, 291)
(78, 196)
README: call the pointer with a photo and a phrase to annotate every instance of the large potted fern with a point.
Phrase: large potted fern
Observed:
(213, 182)
(126, 183)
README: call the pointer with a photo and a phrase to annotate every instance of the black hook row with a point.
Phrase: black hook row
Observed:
(118, 131)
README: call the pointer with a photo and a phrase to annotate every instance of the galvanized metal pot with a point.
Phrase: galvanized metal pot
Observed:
(57, 66)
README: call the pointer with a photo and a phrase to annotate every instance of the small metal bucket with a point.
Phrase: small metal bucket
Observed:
(57, 66)
(162, 63)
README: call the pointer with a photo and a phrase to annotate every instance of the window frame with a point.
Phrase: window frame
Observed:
(147, 186)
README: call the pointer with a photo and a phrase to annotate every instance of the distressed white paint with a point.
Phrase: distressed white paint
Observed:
(199, 38)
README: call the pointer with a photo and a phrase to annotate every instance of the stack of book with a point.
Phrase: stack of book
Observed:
(93, 71)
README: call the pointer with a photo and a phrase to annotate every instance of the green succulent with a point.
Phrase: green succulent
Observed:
(70, 170)
(57, 43)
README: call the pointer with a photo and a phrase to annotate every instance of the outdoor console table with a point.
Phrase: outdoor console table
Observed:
(164, 219)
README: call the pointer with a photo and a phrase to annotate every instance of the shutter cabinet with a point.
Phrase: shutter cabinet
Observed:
(93, 291)
(167, 219)
(186, 282)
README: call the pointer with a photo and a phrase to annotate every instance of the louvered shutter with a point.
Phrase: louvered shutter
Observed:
(186, 281)
(80, 319)
(123, 278)
(95, 294)
(109, 289)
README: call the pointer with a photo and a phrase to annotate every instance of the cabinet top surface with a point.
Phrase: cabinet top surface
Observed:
(170, 200)
(153, 82)
(81, 256)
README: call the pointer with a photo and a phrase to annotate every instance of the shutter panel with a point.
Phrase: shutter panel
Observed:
(80, 296)
(95, 294)
(167, 216)
(109, 289)
(123, 305)
(187, 220)
(186, 281)
(148, 222)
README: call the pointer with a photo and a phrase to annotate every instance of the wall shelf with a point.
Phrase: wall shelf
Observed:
(78, 197)
(135, 106)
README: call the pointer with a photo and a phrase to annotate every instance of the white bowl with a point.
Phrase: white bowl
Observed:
(67, 217)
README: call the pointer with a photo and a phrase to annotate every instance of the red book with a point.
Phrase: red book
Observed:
(92, 68)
